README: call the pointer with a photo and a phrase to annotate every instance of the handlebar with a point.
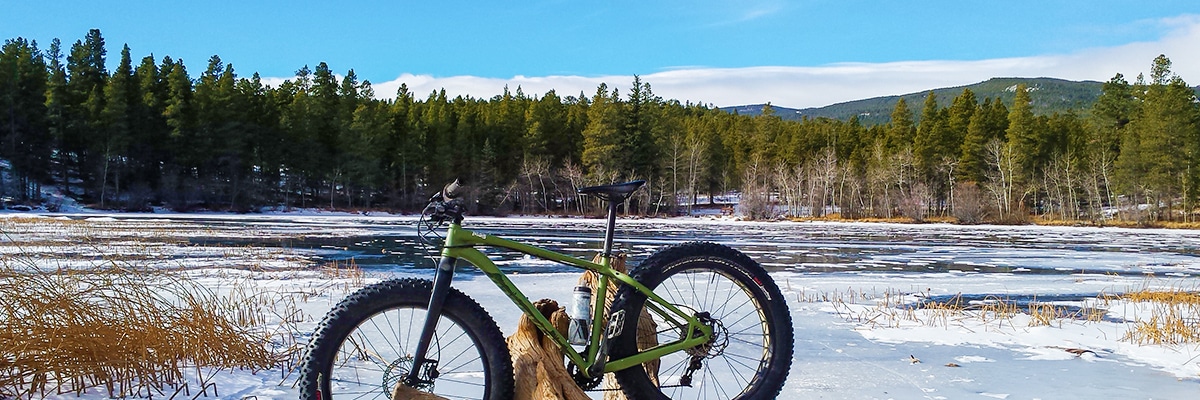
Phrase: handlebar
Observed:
(445, 205)
(450, 191)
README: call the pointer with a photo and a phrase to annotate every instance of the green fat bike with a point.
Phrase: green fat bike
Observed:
(722, 327)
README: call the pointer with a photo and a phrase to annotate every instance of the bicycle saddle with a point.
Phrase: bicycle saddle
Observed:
(615, 192)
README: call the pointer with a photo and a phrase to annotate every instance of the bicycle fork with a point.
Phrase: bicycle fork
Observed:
(424, 370)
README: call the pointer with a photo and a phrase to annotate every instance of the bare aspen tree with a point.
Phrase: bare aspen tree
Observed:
(948, 167)
(797, 176)
(1002, 167)
(783, 183)
(880, 176)
(695, 163)
(826, 169)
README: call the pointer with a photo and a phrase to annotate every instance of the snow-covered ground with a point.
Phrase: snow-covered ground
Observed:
(851, 289)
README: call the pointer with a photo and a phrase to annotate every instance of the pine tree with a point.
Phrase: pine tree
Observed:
(24, 136)
(58, 113)
(901, 129)
(602, 137)
(1158, 152)
(86, 77)
(324, 118)
(959, 113)
(506, 129)
(931, 140)
(1111, 112)
(120, 95)
(262, 141)
(148, 149)
(639, 151)
(972, 161)
(301, 159)
(179, 114)
(1024, 136)
(547, 136)
(576, 122)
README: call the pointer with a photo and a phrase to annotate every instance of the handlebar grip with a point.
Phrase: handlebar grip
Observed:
(451, 190)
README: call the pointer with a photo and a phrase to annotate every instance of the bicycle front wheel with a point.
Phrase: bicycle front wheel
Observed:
(366, 344)
(751, 349)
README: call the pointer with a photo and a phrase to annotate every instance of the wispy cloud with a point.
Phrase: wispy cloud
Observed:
(760, 10)
(748, 11)
(828, 84)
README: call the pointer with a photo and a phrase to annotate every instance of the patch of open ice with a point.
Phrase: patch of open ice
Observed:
(972, 359)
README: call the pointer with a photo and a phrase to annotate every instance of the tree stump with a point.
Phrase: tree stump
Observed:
(402, 392)
(539, 366)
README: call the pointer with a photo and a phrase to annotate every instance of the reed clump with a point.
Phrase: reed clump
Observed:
(891, 308)
(132, 332)
(1174, 316)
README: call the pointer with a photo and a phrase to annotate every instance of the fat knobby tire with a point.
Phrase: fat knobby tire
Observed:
(769, 379)
(405, 293)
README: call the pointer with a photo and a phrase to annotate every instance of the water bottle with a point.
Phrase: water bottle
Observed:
(580, 313)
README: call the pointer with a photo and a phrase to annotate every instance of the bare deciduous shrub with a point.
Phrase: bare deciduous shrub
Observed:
(916, 204)
(970, 205)
(756, 201)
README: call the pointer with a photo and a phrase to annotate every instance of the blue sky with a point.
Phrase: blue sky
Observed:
(791, 53)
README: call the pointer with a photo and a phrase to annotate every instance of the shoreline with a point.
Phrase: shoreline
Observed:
(90, 214)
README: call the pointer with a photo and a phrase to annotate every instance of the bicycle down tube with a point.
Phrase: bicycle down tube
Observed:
(460, 244)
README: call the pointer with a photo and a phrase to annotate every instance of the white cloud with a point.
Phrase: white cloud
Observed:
(822, 85)
(273, 82)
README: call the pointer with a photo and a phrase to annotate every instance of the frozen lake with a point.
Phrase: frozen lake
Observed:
(835, 275)
(387, 243)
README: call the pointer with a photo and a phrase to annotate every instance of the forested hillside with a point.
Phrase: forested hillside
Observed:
(136, 133)
(1048, 96)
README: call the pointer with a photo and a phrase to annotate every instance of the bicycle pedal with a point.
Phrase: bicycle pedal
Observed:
(616, 323)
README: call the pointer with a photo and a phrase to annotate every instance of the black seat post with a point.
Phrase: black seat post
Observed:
(613, 194)
(612, 223)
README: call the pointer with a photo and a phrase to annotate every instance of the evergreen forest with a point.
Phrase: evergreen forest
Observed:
(140, 133)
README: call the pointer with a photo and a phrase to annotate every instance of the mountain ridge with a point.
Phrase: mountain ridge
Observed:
(1049, 95)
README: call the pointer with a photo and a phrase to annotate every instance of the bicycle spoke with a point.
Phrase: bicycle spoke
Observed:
(719, 313)
(444, 379)
(734, 357)
(456, 367)
(733, 370)
(724, 393)
(456, 356)
(390, 343)
(365, 394)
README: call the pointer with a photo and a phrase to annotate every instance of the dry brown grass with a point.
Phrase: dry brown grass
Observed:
(87, 305)
(1110, 223)
(132, 332)
(837, 217)
(1165, 316)
(347, 271)
(1174, 316)
(893, 309)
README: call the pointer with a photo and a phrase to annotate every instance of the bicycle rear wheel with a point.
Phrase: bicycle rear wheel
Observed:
(751, 351)
(365, 345)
